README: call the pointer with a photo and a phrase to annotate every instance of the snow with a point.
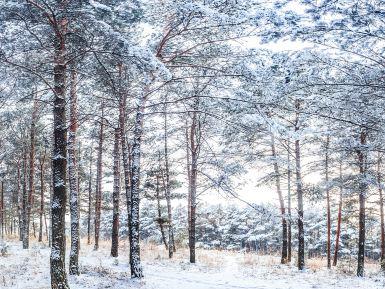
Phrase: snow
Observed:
(29, 269)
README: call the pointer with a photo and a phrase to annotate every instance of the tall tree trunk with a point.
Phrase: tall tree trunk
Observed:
(281, 201)
(380, 191)
(157, 195)
(19, 201)
(73, 176)
(125, 148)
(116, 196)
(25, 232)
(301, 234)
(31, 182)
(288, 204)
(339, 218)
(99, 176)
(363, 188)
(2, 215)
(41, 212)
(136, 267)
(167, 187)
(328, 245)
(59, 158)
(89, 201)
(194, 151)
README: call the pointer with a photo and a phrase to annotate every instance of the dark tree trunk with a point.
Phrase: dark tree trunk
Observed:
(363, 188)
(380, 191)
(339, 218)
(116, 196)
(89, 201)
(167, 187)
(41, 212)
(99, 176)
(31, 183)
(301, 234)
(2, 215)
(125, 149)
(288, 204)
(157, 195)
(73, 177)
(59, 160)
(281, 201)
(328, 245)
(194, 147)
(19, 201)
(25, 233)
(136, 267)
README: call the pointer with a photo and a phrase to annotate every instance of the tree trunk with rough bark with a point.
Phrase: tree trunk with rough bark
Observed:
(363, 188)
(328, 221)
(41, 211)
(59, 158)
(116, 196)
(288, 204)
(380, 192)
(99, 176)
(136, 267)
(73, 176)
(301, 234)
(339, 218)
(89, 201)
(167, 188)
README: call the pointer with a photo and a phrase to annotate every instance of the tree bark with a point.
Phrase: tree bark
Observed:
(382, 258)
(301, 234)
(339, 218)
(73, 176)
(328, 245)
(59, 158)
(288, 204)
(157, 195)
(31, 182)
(89, 201)
(281, 201)
(116, 196)
(99, 176)
(363, 188)
(167, 187)
(136, 267)
(25, 238)
(41, 212)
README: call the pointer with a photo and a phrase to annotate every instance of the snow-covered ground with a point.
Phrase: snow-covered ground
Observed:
(29, 269)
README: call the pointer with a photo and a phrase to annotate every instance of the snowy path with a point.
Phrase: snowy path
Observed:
(29, 269)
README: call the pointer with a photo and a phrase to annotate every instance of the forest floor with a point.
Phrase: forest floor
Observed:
(29, 269)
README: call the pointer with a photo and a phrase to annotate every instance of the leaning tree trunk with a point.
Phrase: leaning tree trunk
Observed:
(328, 245)
(380, 191)
(136, 267)
(59, 160)
(99, 174)
(363, 188)
(281, 202)
(73, 177)
(116, 196)
(301, 234)
(339, 218)
(288, 204)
